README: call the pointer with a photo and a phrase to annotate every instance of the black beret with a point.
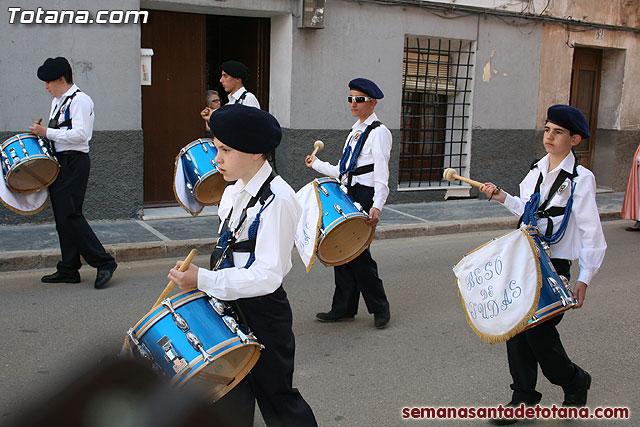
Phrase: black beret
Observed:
(53, 69)
(246, 129)
(569, 118)
(235, 69)
(366, 86)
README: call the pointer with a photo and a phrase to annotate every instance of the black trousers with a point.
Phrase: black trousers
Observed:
(67, 197)
(359, 275)
(271, 379)
(541, 345)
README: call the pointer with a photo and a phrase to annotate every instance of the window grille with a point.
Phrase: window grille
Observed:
(436, 97)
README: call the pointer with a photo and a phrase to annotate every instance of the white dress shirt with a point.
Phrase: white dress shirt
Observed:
(76, 137)
(249, 99)
(376, 151)
(274, 241)
(583, 239)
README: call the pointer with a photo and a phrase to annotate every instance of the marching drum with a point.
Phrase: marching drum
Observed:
(344, 234)
(27, 163)
(191, 338)
(509, 285)
(202, 178)
(555, 295)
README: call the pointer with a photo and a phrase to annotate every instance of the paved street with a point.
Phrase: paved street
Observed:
(350, 373)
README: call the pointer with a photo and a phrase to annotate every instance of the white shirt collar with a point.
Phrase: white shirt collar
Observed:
(237, 94)
(254, 184)
(71, 90)
(372, 118)
(567, 164)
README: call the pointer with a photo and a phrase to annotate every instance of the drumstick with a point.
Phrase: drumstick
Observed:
(450, 174)
(317, 146)
(126, 346)
(171, 284)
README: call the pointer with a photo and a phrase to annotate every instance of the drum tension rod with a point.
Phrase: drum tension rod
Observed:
(177, 318)
(339, 210)
(217, 306)
(197, 345)
(142, 349)
(233, 327)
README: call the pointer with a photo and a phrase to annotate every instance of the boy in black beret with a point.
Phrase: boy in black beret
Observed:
(561, 195)
(233, 74)
(260, 214)
(69, 130)
(364, 169)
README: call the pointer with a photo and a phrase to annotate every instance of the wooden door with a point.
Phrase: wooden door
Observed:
(172, 103)
(585, 89)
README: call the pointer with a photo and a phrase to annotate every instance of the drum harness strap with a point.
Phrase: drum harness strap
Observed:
(242, 97)
(222, 256)
(533, 210)
(350, 170)
(53, 123)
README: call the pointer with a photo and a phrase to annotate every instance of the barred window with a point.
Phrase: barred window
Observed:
(436, 91)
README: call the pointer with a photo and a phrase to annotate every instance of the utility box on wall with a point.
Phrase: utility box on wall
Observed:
(145, 66)
(312, 13)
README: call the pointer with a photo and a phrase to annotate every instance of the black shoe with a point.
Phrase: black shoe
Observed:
(503, 421)
(578, 398)
(507, 421)
(104, 276)
(59, 277)
(332, 316)
(381, 318)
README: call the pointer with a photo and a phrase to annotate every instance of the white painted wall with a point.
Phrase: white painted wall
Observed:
(105, 61)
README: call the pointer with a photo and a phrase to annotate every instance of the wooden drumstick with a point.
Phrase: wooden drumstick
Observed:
(450, 174)
(126, 346)
(317, 146)
(171, 284)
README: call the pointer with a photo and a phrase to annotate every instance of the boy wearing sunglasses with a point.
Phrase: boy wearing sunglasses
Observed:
(364, 169)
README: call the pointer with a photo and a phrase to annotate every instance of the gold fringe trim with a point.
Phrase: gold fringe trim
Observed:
(493, 339)
(26, 213)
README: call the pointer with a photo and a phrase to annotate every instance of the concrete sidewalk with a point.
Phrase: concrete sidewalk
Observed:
(173, 233)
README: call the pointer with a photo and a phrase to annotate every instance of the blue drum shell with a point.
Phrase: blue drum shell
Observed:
(207, 185)
(554, 300)
(233, 359)
(343, 237)
(30, 172)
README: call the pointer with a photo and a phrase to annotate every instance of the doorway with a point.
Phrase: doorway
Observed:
(585, 90)
(188, 51)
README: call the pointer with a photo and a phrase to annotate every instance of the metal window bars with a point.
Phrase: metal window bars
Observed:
(436, 89)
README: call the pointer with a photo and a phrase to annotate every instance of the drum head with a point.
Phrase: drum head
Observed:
(33, 175)
(224, 373)
(209, 191)
(345, 241)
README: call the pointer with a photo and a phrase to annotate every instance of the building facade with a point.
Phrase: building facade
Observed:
(466, 83)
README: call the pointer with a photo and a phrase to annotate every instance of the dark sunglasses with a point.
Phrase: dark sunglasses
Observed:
(359, 99)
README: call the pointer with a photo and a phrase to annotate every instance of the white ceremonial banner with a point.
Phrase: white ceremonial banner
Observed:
(181, 192)
(23, 203)
(499, 286)
(308, 231)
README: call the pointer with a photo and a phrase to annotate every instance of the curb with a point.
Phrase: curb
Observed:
(124, 252)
